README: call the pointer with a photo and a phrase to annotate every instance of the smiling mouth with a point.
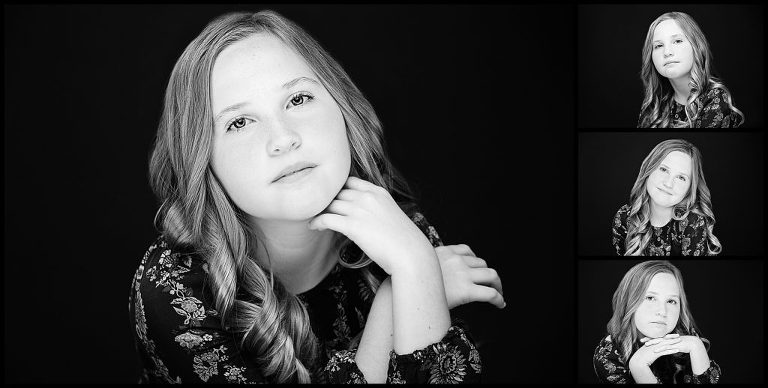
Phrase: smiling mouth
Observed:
(670, 63)
(659, 323)
(664, 191)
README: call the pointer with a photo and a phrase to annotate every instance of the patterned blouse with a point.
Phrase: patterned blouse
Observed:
(610, 367)
(180, 339)
(715, 114)
(687, 237)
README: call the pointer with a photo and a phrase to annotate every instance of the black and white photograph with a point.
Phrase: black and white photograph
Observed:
(670, 66)
(383, 193)
(287, 193)
(671, 194)
(674, 322)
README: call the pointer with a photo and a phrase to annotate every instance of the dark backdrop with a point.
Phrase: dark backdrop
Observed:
(726, 301)
(610, 41)
(608, 164)
(470, 118)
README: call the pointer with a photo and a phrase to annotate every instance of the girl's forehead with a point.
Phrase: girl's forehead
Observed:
(667, 28)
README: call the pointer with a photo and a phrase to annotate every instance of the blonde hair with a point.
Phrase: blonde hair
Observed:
(628, 297)
(656, 110)
(697, 200)
(197, 212)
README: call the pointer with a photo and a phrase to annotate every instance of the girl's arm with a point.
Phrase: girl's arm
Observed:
(419, 307)
(372, 356)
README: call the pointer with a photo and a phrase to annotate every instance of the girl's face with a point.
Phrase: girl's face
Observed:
(669, 183)
(659, 311)
(280, 147)
(672, 52)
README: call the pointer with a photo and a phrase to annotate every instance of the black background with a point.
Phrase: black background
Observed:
(733, 168)
(610, 43)
(477, 105)
(725, 298)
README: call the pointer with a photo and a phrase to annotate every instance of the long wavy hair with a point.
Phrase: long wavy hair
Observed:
(627, 299)
(196, 212)
(697, 200)
(658, 103)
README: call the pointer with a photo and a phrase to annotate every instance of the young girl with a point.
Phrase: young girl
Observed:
(652, 337)
(670, 209)
(680, 90)
(290, 248)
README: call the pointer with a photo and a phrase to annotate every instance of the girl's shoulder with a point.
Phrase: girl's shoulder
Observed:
(623, 212)
(169, 268)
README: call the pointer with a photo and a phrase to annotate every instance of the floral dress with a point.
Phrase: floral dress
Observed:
(715, 112)
(179, 337)
(687, 237)
(611, 368)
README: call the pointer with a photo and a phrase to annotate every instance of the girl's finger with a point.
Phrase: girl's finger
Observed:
(356, 183)
(343, 208)
(644, 339)
(651, 342)
(486, 294)
(486, 276)
(672, 335)
(330, 221)
(474, 262)
(462, 249)
(348, 195)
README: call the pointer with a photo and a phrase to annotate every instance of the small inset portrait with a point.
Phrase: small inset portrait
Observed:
(654, 66)
(640, 322)
(681, 201)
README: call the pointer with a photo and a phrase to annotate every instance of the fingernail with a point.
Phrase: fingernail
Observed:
(504, 305)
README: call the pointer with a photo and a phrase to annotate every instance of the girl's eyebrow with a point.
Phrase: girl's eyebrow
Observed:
(286, 85)
(295, 81)
(656, 293)
(671, 36)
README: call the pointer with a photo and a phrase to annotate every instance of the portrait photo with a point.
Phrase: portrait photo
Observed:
(670, 66)
(235, 193)
(670, 314)
(670, 194)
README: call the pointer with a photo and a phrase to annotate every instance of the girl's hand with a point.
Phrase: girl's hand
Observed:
(655, 348)
(368, 216)
(467, 278)
(690, 344)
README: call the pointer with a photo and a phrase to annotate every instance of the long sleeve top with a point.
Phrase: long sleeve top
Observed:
(687, 237)
(715, 112)
(611, 368)
(179, 337)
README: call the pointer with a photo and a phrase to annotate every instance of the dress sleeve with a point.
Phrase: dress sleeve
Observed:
(694, 238)
(710, 376)
(716, 112)
(620, 231)
(608, 364)
(177, 332)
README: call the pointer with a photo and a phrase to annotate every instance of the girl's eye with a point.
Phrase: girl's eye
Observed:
(656, 46)
(672, 301)
(300, 99)
(663, 169)
(682, 178)
(237, 124)
(649, 298)
(678, 41)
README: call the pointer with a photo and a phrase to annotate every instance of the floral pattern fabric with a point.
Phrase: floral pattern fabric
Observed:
(715, 112)
(179, 337)
(687, 237)
(611, 368)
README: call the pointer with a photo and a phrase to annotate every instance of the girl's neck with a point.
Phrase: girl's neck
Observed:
(660, 215)
(682, 88)
(298, 256)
